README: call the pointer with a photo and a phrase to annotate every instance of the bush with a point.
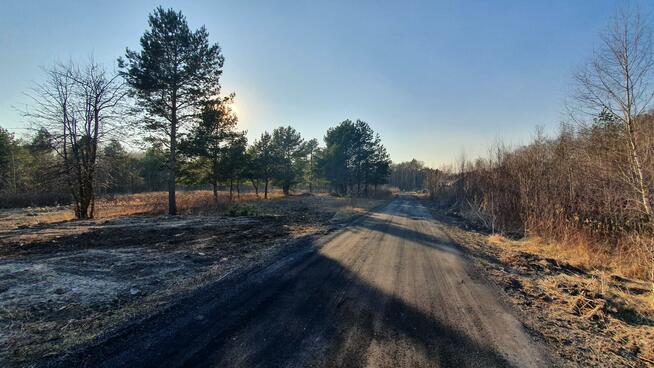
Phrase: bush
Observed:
(240, 209)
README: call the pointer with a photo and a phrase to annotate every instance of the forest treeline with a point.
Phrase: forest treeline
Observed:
(31, 171)
(410, 176)
(168, 93)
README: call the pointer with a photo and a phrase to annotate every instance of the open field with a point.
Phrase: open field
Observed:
(64, 283)
(591, 316)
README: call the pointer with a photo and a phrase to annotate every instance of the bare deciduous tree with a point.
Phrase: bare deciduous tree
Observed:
(77, 105)
(617, 83)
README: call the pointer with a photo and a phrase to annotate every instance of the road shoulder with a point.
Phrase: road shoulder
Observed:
(558, 303)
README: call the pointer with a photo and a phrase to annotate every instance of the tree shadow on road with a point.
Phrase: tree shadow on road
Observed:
(424, 238)
(328, 316)
(309, 311)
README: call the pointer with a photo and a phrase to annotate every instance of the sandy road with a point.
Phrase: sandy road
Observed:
(388, 291)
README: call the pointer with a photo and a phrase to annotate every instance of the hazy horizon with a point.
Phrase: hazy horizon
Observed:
(435, 80)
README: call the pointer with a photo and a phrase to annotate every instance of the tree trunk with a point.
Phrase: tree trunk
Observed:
(311, 173)
(91, 194)
(255, 185)
(91, 163)
(286, 188)
(86, 198)
(83, 205)
(92, 212)
(231, 189)
(214, 178)
(238, 188)
(172, 160)
(265, 190)
(637, 169)
(172, 166)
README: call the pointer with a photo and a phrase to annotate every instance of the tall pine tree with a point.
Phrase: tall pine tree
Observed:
(173, 77)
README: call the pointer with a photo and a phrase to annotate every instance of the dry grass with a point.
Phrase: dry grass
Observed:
(155, 203)
(199, 202)
(577, 250)
(601, 265)
(572, 295)
(353, 206)
(576, 253)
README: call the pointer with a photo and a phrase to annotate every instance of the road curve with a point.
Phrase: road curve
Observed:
(388, 291)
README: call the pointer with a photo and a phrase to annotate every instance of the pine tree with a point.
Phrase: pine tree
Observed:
(262, 159)
(290, 152)
(174, 76)
(209, 139)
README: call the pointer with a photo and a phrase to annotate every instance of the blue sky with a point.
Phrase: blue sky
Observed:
(434, 78)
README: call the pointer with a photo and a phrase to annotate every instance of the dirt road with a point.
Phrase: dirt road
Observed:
(388, 291)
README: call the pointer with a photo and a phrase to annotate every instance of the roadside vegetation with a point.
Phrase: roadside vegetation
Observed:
(590, 316)
(584, 194)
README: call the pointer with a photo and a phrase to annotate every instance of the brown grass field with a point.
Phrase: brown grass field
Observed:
(153, 203)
